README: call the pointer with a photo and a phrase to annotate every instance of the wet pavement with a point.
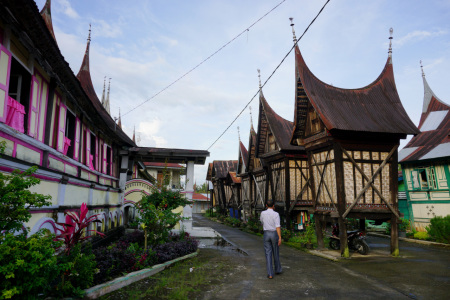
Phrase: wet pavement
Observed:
(421, 272)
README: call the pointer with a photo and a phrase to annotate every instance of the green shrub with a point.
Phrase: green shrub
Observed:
(232, 222)
(286, 234)
(439, 229)
(79, 274)
(421, 235)
(28, 265)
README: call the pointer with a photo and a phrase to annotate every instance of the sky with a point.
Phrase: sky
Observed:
(144, 46)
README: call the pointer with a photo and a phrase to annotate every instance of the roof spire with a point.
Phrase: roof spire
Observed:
(421, 67)
(251, 117)
(46, 14)
(119, 122)
(107, 106)
(103, 94)
(293, 30)
(259, 78)
(391, 32)
(134, 134)
(239, 134)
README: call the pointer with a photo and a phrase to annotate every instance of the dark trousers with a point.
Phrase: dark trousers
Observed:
(272, 250)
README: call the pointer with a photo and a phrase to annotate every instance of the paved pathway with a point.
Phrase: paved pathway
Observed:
(421, 273)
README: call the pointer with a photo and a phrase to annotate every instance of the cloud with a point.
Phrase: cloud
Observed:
(68, 10)
(417, 35)
(147, 132)
(105, 29)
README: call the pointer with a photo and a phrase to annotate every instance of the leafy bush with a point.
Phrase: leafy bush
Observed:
(28, 265)
(439, 229)
(16, 199)
(172, 250)
(421, 235)
(156, 214)
(232, 222)
(79, 274)
(285, 234)
(254, 224)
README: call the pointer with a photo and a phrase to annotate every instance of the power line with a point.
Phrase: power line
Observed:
(203, 61)
(284, 58)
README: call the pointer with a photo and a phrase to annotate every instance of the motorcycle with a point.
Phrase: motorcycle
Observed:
(356, 240)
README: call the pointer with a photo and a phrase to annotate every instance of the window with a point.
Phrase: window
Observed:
(424, 178)
(93, 152)
(70, 134)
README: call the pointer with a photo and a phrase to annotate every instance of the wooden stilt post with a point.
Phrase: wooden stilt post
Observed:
(319, 232)
(340, 192)
(394, 219)
(362, 224)
(394, 236)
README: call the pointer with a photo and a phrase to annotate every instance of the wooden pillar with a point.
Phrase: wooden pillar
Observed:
(319, 230)
(287, 194)
(394, 194)
(340, 192)
(362, 224)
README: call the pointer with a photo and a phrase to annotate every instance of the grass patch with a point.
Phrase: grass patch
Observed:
(178, 281)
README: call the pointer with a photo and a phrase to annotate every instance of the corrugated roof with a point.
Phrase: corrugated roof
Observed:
(433, 141)
(375, 108)
(243, 158)
(222, 167)
(232, 176)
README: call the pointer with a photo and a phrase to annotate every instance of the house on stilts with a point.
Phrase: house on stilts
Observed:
(351, 137)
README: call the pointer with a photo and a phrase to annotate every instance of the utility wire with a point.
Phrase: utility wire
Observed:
(203, 61)
(284, 58)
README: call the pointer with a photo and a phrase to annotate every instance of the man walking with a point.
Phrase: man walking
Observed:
(272, 238)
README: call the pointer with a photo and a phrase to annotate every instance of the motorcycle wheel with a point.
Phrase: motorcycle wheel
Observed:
(362, 247)
(335, 244)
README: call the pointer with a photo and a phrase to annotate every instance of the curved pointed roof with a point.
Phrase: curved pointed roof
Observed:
(433, 141)
(46, 14)
(281, 128)
(243, 158)
(374, 108)
(84, 76)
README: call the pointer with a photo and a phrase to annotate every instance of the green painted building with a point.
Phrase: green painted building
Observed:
(425, 164)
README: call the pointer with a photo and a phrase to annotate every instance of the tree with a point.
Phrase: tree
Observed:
(157, 216)
(16, 199)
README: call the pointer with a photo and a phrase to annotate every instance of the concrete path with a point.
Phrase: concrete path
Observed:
(421, 273)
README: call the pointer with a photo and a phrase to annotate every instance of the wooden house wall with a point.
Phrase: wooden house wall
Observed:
(260, 190)
(323, 172)
(428, 193)
(299, 189)
(277, 182)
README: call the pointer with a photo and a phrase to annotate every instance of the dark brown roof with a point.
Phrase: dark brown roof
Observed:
(243, 158)
(169, 155)
(46, 14)
(222, 167)
(251, 149)
(210, 170)
(281, 128)
(27, 23)
(84, 76)
(433, 141)
(375, 108)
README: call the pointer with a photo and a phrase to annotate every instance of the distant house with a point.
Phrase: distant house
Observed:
(171, 171)
(200, 203)
(425, 162)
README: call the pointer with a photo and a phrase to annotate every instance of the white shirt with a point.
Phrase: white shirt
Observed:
(270, 219)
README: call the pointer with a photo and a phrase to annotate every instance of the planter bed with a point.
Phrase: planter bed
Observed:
(118, 283)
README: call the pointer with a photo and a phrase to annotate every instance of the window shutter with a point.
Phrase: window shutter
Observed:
(61, 133)
(111, 163)
(34, 107)
(96, 154)
(88, 146)
(42, 110)
(76, 149)
(5, 69)
(415, 180)
(105, 156)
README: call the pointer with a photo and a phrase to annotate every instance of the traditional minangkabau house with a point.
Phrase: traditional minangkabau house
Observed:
(351, 137)
(285, 166)
(245, 181)
(425, 163)
(53, 119)
(222, 188)
(234, 198)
